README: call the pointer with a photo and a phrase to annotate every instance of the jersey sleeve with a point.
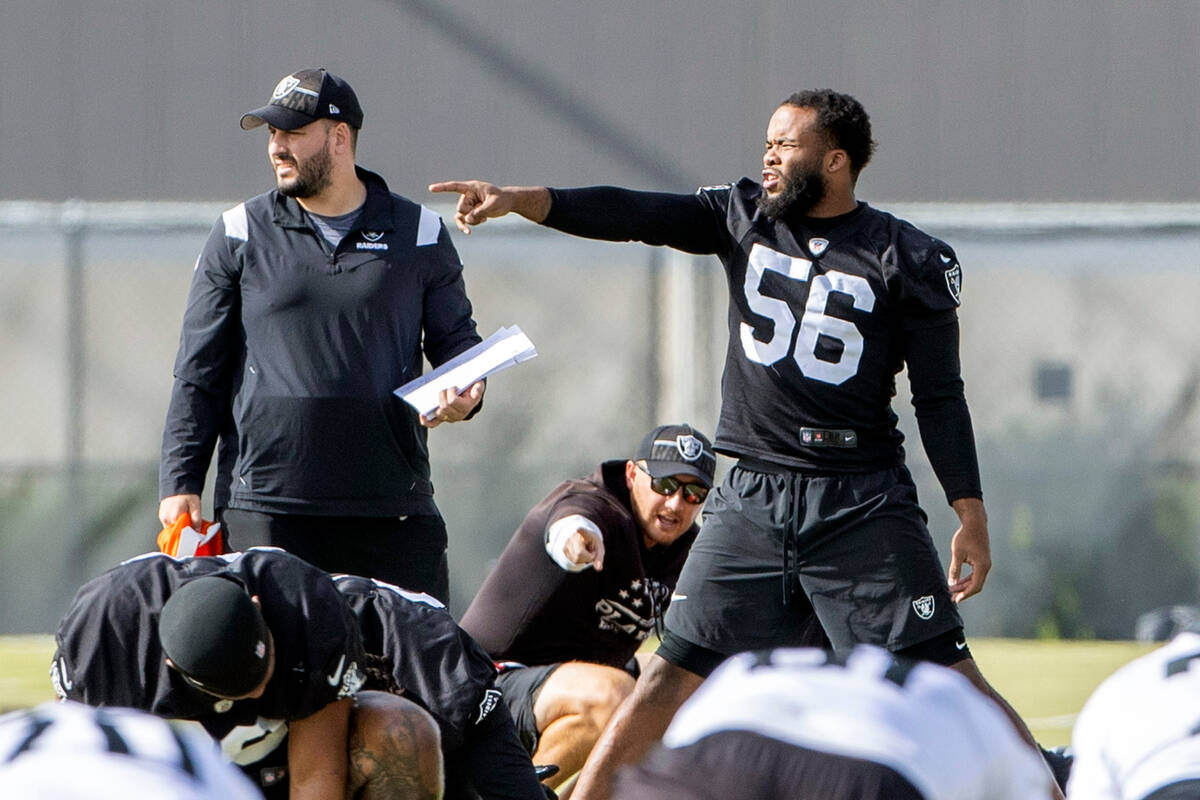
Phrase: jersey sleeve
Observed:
(940, 405)
(108, 634)
(209, 347)
(448, 326)
(692, 223)
(524, 579)
(930, 279)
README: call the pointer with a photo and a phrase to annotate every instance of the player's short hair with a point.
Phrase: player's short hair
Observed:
(842, 119)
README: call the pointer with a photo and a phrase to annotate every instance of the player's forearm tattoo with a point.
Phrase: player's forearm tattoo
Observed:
(390, 765)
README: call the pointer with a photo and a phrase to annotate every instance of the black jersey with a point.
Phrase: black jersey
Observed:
(109, 653)
(430, 659)
(822, 316)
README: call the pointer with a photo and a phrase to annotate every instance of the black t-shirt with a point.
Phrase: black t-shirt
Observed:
(432, 660)
(531, 610)
(109, 652)
(821, 319)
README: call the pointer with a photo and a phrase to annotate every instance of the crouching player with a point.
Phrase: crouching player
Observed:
(262, 651)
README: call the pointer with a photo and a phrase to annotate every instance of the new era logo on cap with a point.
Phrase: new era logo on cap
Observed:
(304, 97)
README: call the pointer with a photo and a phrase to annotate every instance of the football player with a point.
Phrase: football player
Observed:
(863, 725)
(1138, 735)
(69, 751)
(829, 299)
(262, 651)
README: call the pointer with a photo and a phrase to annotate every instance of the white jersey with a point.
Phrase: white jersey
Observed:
(69, 751)
(924, 721)
(1140, 729)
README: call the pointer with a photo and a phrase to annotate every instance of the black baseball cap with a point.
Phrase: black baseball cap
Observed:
(307, 96)
(678, 450)
(215, 636)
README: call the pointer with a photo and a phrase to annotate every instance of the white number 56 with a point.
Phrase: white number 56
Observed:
(814, 321)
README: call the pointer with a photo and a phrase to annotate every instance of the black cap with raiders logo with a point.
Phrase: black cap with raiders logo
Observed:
(678, 450)
(307, 96)
(215, 636)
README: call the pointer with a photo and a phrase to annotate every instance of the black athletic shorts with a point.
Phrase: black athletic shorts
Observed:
(856, 545)
(750, 766)
(520, 686)
(409, 552)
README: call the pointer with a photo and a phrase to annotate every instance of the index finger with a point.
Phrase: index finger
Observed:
(462, 187)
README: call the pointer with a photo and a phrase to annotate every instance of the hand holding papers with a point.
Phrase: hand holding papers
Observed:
(503, 349)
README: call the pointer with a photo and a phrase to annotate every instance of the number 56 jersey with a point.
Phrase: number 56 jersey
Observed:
(823, 314)
(820, 317)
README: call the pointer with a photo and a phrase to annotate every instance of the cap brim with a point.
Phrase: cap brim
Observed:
(664, 469)
(285, 119)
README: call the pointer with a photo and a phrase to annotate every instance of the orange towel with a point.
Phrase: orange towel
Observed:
(180, 539)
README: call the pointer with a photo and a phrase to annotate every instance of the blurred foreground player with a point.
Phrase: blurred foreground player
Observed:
(582, 583)
(69, 751)
(262, 651)
(806, 724)
(1138, 736)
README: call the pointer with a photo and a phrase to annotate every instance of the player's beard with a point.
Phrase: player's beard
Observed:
(803, 188)
(313, 175)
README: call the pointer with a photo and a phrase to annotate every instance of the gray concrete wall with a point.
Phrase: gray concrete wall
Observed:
(1071, 100)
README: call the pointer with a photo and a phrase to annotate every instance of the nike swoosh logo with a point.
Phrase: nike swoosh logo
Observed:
(675, 597)
(336, 677)
(961, 645)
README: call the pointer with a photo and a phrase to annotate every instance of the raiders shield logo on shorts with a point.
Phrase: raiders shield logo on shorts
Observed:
(923, 606)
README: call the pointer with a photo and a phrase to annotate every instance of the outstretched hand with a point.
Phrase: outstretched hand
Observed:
(478, 200)
(585, 547)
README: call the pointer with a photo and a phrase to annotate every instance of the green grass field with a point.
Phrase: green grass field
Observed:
(1047, 682)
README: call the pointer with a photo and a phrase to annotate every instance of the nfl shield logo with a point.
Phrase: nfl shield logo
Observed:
(923, 606)
(689, 447)
(817, 245)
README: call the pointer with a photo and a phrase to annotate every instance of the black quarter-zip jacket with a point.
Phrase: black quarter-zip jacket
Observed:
(306, 345)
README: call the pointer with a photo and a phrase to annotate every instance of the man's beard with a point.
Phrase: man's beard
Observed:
(801, 191)
(312, 177)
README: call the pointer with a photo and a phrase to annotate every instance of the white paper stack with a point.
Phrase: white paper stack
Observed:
(503, 349)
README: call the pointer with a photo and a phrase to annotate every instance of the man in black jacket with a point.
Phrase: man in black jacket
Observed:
(309, 305)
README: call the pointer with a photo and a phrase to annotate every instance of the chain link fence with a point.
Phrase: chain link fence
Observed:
(1080, 356)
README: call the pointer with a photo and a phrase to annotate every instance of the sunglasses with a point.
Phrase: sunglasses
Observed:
(693, 493)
